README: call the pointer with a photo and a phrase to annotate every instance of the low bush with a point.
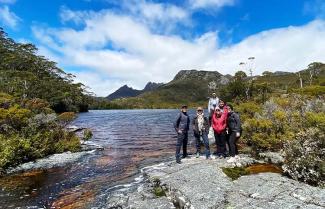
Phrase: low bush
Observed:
(29, 130)
(305, 157)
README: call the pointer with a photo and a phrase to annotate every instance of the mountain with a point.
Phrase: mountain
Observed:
(193, 87)
(188, 86)
(151, 86)
(126, 91)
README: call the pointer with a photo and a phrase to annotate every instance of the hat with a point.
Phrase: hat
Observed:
(184, 106)
(199, 108)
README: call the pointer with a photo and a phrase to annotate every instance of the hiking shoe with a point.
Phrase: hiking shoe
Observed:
(209, 158)
(178, 161)
(197, 155)
(231, 160)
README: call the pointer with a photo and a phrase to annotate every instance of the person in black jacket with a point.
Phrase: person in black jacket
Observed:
(181, 125)
(234, 131)
(200, 125)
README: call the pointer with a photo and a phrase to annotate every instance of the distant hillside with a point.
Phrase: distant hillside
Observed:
(193, 87)
(188, 86)
(126, 91)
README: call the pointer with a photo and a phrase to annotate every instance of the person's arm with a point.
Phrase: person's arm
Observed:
(188, 123)
(209, 104)
(207, 125)
(238, 124)
(177, 121)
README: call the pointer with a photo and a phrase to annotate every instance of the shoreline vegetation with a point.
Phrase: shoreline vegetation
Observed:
(280, 112)
(37, 101)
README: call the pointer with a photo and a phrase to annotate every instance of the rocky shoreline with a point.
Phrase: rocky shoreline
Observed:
(198, 183)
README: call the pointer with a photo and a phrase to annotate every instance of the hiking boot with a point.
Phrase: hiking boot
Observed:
(208, 158)
(178, 161)
(184, 156)
(197, 155)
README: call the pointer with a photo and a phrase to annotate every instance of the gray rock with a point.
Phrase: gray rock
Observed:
(117, 201)
(56, 160)
(272, 157)
(198, 183)
(270, 190)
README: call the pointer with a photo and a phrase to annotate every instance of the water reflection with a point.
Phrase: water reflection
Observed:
(131, 138)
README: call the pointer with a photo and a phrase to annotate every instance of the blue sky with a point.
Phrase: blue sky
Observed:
(109, 43)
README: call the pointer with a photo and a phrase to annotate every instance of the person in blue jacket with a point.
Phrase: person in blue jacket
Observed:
(181, 125)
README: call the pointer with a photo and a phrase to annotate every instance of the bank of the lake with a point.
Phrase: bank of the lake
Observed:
(199, 183)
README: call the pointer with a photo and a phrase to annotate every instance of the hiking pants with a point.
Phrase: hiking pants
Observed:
(181, 141)
(233, 150)
(221, 143)
(205, 141)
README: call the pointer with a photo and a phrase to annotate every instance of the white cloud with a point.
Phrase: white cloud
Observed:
(8, 1)
(157, 12)
(122, 50)
(77, 17)
(8, 18)
(211, 4)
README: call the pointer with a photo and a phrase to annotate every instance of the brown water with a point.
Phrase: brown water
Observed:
(131, 139)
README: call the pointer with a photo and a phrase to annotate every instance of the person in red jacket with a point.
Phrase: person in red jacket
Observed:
(219, 124)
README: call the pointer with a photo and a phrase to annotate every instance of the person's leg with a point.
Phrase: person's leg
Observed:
(185, 145)
(223, 144)
(218, 143)
(179, 143)
(197, 143)
(206, 144)
(232, 144)
(227, 144)
(236, 147)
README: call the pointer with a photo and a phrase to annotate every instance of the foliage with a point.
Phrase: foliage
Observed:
(26, 75)
(87, 134)
(29, 130)
(311, 90)
(235, 173)
(277, 121)
(305, 157)
(66, 117)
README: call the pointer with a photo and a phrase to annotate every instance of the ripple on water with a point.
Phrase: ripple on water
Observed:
(131, 139)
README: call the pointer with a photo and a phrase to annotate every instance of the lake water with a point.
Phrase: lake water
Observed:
(131, 139)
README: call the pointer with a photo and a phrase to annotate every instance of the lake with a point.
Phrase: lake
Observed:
(131, 139)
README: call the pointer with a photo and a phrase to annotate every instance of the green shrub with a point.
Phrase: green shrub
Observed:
(305, 157)
(279, 119)
(66, 117)
(87, 134)
(30, 131)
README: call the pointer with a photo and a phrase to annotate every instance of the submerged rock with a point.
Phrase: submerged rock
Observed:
(199, 184)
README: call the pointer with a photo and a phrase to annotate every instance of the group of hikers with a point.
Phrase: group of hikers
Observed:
(222, 121)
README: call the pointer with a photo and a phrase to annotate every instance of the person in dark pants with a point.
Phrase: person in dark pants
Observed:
(181, 125)
(219, 124)
(200, 125)
(234, 133)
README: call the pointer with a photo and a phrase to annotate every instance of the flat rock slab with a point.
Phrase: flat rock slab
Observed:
(271, 190)
(198, 183)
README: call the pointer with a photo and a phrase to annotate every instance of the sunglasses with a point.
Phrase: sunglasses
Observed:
(200, 110)
(217, 110)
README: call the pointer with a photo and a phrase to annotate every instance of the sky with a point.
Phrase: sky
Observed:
(109, 43)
